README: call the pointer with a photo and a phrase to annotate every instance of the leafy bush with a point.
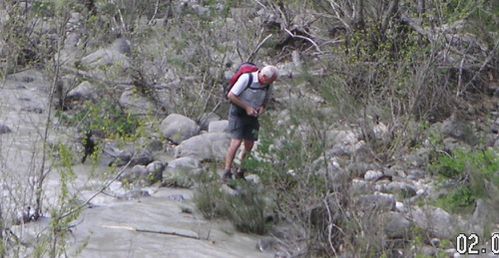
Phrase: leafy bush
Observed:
(244, 209)
(468, 172)
(105, 117)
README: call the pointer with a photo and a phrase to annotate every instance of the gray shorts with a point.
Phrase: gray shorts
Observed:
(243, 127)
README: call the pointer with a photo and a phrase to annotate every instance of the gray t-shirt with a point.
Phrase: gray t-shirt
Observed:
(255, 95)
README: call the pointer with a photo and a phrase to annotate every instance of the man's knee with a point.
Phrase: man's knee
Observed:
(248, 145)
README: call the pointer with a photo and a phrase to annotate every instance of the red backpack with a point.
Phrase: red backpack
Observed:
(246, 67)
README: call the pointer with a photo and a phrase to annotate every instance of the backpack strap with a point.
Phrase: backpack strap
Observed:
(250, 81)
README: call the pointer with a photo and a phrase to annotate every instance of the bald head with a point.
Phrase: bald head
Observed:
(268, 74)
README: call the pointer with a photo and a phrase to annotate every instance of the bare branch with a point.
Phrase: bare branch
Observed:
(173, 233)
(260, 3)
(84, 204)
(253, 54)
(305, 38)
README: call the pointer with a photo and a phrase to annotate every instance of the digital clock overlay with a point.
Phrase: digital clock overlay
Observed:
(469, 244)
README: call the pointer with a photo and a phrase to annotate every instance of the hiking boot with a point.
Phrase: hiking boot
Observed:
(227, 176)
(240, 174)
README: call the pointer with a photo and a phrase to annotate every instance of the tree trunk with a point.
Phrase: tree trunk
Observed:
(358, 22)
(421, 8)
(421, 11)
(392, 10)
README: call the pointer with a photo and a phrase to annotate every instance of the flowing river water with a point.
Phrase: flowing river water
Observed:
(154, 226)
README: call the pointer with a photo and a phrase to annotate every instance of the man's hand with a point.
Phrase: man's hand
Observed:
(261, 110)
(251, 111)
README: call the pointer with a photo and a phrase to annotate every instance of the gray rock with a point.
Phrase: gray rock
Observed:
(218, 126)
(266, 244)
(373, 175)
(4, 129)
(208, 146)
(359, 169)
(396, 225)
(135, 103)
(416, 174)
(106, 57)
(483, 216)
(182, 172)
(178, 128)
(376, 202)
(437, 222)
(401, 189)
(419, 159)
(121, 45)
(429, 251)
(187, 165)
(84, 91)
(129, 176)
(134, 194)
(345, 137)
(360, 187)
(112, 155)
(36, 110)
(176, 197)
(458, 129)
(141, 157)
(143, 175)
(362, 153)
(206, 119)
(155, 170)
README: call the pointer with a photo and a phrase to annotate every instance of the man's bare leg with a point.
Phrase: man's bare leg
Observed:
(231, 153)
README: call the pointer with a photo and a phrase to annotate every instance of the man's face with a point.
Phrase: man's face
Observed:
(264, 80)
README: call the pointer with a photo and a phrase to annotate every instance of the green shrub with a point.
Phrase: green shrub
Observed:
(245, 209)
(209, 200)
(468, 172)
(105, 117)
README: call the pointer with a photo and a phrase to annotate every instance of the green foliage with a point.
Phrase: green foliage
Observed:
(44, 8)
(106, 117)
(460, 9)
(245, 209)
(468, 172)
(209, 200)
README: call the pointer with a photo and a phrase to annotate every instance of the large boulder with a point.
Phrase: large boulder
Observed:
(458, 129)
(143, 175)
(84, 91)
(376, 202)
(106, 57)
(178, 128)
(218, 126)
(4, 129)
(437, 222)
(181, 172)
(396, 225)
(136, 104)
(208, 146)
(121, 45)
(206, 119)
(114, 155)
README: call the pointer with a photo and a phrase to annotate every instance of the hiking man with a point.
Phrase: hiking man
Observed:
(249, 97)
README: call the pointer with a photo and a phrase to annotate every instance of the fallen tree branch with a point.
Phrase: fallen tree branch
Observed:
(491, 55)
(162, 232)
(253, 54)
(414, 25)
(84, 204)
(305, 38)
